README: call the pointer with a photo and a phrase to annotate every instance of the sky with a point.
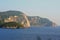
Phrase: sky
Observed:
(44, 8)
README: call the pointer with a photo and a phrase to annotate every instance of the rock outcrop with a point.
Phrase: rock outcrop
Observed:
(39, 21)
(27, 21)
(15, 16)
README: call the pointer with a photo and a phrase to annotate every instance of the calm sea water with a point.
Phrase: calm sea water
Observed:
(32, 33)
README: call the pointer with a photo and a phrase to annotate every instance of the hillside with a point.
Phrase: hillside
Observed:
(14, 16)
(6, 14)
(39, 21)
(20, 17)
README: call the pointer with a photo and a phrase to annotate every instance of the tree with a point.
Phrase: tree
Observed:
(12, 25)
(1, 22)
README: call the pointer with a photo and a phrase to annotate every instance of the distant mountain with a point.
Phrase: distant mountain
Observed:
(20, 17)
(39, 21)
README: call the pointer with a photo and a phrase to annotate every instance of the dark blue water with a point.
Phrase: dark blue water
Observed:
(32, 33)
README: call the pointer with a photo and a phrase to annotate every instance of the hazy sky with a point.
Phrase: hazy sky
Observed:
(43, 8)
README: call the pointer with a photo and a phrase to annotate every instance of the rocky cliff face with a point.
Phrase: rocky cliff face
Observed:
(15, 16)
(27, 21)
(39, 21)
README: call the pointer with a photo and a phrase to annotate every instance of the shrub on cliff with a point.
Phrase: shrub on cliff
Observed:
(12, 25)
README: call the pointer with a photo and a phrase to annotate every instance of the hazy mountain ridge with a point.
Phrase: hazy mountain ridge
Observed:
(34, 20)
(39, 21)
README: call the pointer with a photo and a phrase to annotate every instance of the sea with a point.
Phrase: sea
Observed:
(32, 33)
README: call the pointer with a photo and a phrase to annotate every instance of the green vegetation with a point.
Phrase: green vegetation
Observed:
(7, 16)
(1, 22)
(12, 25)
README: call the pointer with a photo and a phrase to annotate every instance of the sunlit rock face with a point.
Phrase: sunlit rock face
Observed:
(25, 21)
(15, 16)
(39, 21)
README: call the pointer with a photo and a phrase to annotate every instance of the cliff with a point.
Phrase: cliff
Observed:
(14, 16)
(39, 21)
(27, 21)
